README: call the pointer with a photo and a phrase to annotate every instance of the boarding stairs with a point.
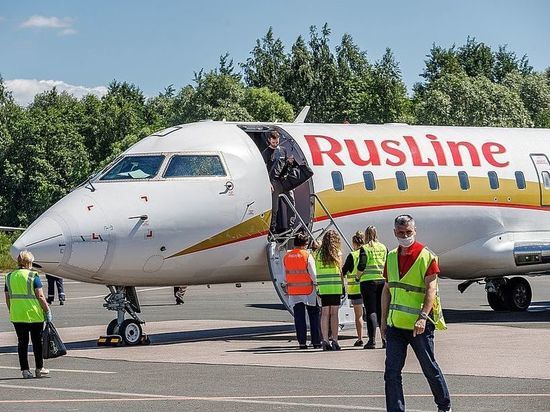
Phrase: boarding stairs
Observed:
(279, 244)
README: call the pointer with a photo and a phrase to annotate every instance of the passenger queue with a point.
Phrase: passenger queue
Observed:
(398, 289)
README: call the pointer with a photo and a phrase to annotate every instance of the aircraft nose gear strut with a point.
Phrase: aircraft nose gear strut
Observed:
(124, 300)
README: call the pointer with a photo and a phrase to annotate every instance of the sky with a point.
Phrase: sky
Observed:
(81, 46)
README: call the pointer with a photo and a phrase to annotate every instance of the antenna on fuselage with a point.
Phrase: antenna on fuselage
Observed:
(302, 116)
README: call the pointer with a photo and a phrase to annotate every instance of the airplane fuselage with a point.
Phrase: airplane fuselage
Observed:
(480, 198)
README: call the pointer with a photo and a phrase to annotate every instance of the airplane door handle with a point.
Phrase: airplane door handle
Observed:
(228, 187)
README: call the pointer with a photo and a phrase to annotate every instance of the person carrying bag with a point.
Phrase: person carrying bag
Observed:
(52, 345)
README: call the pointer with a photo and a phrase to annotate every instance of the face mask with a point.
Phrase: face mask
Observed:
(406, 242)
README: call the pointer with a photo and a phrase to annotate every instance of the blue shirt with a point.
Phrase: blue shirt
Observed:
(37, 283)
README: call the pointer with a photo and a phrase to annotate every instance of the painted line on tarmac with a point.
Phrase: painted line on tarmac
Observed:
(206, 399)
(52, 389)
(66, 370)
(105, 294)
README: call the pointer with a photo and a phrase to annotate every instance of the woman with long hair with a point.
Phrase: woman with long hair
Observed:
(371, 282)
(330, 286)
(349, 270)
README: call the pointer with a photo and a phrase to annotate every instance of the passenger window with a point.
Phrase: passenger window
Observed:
(464, 180)
(337, 181)
(433, 181)
(401, 180)
(134, 167)
(370, 183)
(493, 180)
(195, 166)
(520, 180)
(546, 179)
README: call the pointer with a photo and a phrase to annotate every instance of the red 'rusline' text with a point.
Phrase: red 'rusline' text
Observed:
(399, 152)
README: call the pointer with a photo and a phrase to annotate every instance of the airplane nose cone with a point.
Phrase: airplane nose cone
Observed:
(44, 239)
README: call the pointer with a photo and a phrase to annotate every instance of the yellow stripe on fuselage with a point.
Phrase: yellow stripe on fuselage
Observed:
(356, 199)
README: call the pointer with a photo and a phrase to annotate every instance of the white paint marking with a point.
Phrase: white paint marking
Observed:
(67, 370)
(45, 388)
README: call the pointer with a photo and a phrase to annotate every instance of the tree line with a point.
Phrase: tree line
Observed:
(56, 142)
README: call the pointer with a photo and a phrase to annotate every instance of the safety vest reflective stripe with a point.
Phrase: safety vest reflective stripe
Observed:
(405, 309)
(24, 306)
(407, 293)
(29, 294)
(407, 287)
(298, 280)
(329, 281)
(376, 259)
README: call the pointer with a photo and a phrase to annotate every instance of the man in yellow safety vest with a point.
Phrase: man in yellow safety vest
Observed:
(409, 316)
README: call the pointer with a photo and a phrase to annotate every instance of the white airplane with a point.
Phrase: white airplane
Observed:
(191, 205)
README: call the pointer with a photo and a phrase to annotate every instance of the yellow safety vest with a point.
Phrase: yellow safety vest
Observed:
(407, 293)
(353, 287)
(24, 306)
(376, 259)
(329, 281)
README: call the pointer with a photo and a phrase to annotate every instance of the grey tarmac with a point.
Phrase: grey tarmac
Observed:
(232, 348)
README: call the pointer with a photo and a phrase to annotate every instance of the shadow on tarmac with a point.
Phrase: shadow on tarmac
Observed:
(537, 312)
(170, 338)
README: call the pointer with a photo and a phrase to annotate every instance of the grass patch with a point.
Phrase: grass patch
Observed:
(6, 261)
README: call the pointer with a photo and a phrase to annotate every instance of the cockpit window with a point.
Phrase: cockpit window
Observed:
(134, 167)
(195, 166)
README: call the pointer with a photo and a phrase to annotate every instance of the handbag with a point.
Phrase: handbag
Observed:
(52, 345)
(295, 175)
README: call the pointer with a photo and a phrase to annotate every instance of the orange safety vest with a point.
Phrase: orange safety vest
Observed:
(297, 277)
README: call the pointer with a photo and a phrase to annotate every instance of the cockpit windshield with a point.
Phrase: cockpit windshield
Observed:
(134, 167)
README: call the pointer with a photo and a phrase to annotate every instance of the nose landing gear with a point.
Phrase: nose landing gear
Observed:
(124, 300)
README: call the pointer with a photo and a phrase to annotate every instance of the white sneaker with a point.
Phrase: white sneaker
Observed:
(41, 372)
(27, 374)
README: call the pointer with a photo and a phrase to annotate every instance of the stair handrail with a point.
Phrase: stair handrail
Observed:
(332, 221)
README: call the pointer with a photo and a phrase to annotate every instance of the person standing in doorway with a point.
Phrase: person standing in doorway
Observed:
(55, 282)
(370, 276)
(407, 318)
(300, 280)
(276, 158)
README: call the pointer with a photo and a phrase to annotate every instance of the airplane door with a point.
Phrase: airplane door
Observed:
(542, 166)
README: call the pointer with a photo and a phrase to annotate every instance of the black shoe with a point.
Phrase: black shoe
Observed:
(179, 302)
(50, 301)
(384, 344)
(370, 345)
(326, 346)
(303, 346)
(359, 342)
(317, 346)
(335, 345)
(61, 302)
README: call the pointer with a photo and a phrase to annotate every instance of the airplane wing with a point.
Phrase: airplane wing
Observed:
(10, 229)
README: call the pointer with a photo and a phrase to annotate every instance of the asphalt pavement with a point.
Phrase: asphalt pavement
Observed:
(229, 348)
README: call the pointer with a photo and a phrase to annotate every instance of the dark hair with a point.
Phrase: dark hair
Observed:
(301, 239)
(403, 220)
(274, 135)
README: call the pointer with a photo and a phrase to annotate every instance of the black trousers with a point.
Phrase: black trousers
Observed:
(35, 330)
(371, 292)
(314, 315)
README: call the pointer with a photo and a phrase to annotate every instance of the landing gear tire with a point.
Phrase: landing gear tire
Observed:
(131, 332)
(496, 302)
(517, 294)
(112, 328)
